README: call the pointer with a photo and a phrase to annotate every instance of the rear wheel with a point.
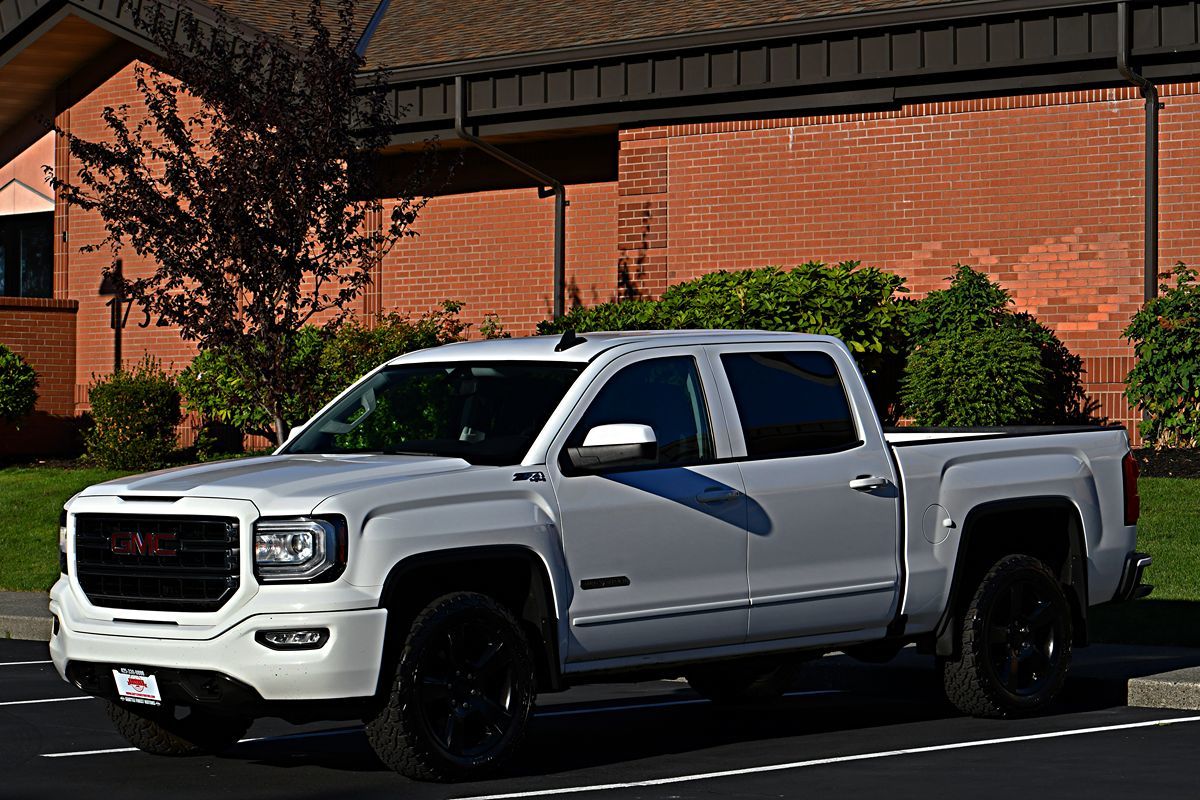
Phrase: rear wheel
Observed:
(157, 729)
(461, 694)
(1015, 642)
(757, 680)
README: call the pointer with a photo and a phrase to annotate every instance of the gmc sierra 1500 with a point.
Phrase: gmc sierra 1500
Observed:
(473, 524)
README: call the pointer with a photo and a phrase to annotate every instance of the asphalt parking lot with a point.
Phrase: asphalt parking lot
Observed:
(885, 733)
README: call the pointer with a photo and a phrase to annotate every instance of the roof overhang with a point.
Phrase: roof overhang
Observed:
(54, 52)
(865, 61)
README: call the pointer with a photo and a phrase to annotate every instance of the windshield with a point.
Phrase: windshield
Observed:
(485, 413)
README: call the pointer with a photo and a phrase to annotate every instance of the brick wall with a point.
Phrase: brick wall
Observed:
(495, 252)
(95, 343)
(1043, 192)
(42, 331)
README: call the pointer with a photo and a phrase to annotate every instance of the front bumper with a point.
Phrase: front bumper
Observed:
(1131, 586)
(346, 666)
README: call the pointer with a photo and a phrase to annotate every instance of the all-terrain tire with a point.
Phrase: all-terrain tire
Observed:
(752, 681)
(461, 695)
(1015, 639)
(156, 730)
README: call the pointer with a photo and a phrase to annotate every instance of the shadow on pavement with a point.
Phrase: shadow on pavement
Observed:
(572, 735)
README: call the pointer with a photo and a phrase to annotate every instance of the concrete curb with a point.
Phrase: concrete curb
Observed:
(34, 629)
(1179, 689)
(25, 615)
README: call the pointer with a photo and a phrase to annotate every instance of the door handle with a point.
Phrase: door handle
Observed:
(718, 495)
(867, 483)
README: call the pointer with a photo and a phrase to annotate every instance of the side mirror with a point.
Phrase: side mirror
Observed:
(294, 432)
(623, 444)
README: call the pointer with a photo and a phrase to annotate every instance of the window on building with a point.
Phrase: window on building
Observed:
(789, 403)
(27, 255)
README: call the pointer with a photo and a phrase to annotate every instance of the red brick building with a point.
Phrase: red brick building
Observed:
(690, 136)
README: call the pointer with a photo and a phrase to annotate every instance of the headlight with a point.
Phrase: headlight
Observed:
(302, 549)
(62, 541)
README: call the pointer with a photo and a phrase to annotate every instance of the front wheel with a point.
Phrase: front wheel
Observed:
(461, 695)
(1015, 642)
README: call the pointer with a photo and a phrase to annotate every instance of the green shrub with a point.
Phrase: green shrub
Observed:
(135, 413)
(1165, 381)
(860, 305)
(619, 315)
(974, 308)
(219, 386)
(18, 386)
(356, 349)
(974, 377)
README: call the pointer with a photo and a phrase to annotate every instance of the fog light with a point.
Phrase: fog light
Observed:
(309, 639)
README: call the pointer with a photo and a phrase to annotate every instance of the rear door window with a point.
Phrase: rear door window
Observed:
(790, 403)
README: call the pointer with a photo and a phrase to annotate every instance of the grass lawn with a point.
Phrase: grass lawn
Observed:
(1169, 531)
(31, 498)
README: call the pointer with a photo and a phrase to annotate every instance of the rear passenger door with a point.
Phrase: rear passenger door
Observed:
(823, 507)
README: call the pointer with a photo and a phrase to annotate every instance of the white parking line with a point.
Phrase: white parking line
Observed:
(817, 762)
(309, 735)
(48, 700)
(91, 752)
(22, 663)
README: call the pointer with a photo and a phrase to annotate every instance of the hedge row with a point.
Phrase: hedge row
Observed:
(960, 356)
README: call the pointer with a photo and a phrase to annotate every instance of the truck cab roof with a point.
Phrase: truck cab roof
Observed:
(589, 345)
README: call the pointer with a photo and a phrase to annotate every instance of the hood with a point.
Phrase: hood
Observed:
(293, 481)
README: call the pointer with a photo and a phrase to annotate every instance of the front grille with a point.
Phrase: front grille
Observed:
(118, 567)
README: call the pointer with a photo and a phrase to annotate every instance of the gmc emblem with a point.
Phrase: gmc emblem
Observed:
(143, 544)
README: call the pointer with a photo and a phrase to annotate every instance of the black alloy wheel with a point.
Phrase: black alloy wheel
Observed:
(1024, 637)
(462, 692)
(465, 687)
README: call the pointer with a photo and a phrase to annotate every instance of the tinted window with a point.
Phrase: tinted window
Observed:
(789, 402)
(664, 393)
(485, 413)
(27, 255)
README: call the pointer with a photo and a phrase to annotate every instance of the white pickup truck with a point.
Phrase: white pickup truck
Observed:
(473, 524)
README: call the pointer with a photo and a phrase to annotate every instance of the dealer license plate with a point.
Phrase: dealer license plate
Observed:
(137, 686)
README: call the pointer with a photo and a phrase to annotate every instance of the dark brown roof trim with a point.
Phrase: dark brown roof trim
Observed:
(844, 22)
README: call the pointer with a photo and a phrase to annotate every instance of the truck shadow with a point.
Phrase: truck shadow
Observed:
(838, 702)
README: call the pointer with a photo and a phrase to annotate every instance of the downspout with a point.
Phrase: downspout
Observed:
(1150, 93)
(556, 188)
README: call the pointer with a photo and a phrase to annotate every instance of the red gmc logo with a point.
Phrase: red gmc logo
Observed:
(143, 544)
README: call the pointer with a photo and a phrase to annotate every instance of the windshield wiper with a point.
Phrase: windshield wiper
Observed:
(408, 453)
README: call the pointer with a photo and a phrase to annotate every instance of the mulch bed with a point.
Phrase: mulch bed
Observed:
(1168, 463)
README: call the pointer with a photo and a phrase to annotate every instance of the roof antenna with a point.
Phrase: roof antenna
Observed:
(568, 340)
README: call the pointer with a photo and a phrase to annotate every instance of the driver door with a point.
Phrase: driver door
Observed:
(656, 549)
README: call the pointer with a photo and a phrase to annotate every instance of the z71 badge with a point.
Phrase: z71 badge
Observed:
(532, 477)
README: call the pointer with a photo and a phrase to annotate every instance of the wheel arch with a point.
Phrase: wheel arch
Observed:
(1050, 528)
(524, 587)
